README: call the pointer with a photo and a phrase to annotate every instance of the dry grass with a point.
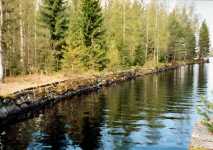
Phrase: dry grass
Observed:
(198, 148)
(13, 84)
(17, 83)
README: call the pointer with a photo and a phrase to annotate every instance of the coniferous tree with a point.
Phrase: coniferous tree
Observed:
(190, 42)
(204, 40)
(188, 22)
(139, 56)
(53, 15)
(133, 31)
(92, 34)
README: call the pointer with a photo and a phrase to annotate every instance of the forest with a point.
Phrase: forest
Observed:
(63, 64)
(47, 36)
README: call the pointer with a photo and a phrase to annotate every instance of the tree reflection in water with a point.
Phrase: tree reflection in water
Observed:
(154, 112)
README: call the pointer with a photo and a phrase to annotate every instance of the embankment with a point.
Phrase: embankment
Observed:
(26, 103)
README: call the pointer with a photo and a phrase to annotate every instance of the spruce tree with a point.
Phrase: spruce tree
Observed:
(53, 15)
(92, 34)
(204, 40)
(139, 56)
(190, 42)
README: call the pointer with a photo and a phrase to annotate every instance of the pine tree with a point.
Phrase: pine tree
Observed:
(92, 34)
(53, 15)
(204, 40)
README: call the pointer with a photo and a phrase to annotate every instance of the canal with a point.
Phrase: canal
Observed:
(156, 112)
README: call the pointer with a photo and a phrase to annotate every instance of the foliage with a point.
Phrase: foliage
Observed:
(182, 41)
(53, 15)
(175, 36)
(204, 40)
(125, 29)
(114, 59)
(72, 59)
(9, 40)
(139, 56)
(91, 35)
(190, 42)
(206, 111)
(85, 35)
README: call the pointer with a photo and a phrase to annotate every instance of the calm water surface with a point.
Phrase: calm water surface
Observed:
(156, 112)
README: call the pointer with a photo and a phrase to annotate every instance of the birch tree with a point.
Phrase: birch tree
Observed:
(1, 50)
(21, 26)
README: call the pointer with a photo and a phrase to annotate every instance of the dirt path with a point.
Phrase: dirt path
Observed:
(14, 84)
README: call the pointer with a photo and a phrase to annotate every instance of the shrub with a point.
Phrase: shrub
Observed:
(206, 111)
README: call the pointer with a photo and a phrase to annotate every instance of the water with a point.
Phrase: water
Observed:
(156, 112)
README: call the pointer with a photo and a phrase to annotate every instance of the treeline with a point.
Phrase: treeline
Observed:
(52, 35)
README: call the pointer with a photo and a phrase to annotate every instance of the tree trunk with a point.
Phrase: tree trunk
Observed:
(156, 49)
(147, 35)
(124, 22)
(35, 34)
(1, 50)
(21, 36)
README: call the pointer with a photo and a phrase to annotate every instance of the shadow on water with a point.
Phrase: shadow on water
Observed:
(156, 112)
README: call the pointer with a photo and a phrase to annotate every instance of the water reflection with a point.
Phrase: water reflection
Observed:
(156, 112)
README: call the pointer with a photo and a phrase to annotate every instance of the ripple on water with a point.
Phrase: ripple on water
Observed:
(151, 113)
